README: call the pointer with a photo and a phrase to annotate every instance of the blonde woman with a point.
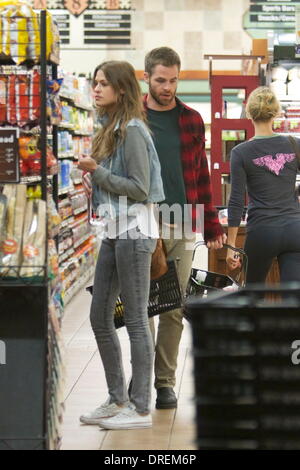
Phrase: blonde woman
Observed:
(267, 166)
(126, 183)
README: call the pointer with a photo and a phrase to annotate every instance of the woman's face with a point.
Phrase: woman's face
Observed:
(104, 94)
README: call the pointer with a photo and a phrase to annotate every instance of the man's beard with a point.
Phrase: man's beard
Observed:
(156, 98)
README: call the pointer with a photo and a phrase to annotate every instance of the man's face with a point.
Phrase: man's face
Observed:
(163, 84)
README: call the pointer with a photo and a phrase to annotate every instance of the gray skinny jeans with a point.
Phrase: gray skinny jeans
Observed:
(124, 266)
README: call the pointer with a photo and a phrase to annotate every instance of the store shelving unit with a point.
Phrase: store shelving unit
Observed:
(30, 380)
(76, 239)
(220, 166)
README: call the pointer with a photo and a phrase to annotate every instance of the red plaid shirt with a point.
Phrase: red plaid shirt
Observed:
(195, 169)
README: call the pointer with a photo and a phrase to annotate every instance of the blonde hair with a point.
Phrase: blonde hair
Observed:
(262, 104)
(121, 76)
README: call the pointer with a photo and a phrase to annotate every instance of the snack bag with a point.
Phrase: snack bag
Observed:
(34, 96)
(3, 98)
(11, 100)
(19, 38)
(34, 40)
(12, 241)
(54, 219)
(22, 99)
(5, 26)
(34, 239)
(53, 259)
(54, 105)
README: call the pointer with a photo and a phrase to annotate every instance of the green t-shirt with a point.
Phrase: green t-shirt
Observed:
(166, 135)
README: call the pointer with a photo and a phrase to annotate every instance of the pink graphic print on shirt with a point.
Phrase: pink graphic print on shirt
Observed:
(275, 165)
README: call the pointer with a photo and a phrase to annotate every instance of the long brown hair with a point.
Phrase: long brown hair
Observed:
(121, 76)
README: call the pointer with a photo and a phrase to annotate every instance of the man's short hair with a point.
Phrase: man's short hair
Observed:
(161, 56)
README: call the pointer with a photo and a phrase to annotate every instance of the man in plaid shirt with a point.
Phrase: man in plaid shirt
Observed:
(178, 133)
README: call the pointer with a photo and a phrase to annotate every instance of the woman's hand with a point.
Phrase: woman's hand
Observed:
(233, 260)
(217, 243)
(87, 164)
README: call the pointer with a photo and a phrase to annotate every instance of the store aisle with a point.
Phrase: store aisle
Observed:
(85, 389)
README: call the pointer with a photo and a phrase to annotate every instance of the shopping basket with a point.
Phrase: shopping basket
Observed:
(203, 283)
(165, 295)
(246, 350)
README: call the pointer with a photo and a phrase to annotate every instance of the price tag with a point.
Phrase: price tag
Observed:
(9, 156)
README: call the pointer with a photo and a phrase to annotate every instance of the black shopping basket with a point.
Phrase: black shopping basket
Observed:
(165, 295)
(246, 368)
(203, 283)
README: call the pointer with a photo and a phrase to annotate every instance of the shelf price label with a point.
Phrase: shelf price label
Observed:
(9, 156)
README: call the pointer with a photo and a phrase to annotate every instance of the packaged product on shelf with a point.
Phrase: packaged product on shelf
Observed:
(52, 260)
(55, 47)
(52, 164)
(3, 99)
(54, 219)
(19, 37)
(22, 99)
(34, 239)
(11, 253)
(11, 100)
(34, 96)
(54, 106)
(3, 209)
(20, 31)
(30, 155)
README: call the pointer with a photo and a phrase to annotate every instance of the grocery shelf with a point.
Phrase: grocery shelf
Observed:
(79, 284)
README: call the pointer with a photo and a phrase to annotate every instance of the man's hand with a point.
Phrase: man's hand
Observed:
(87, 164)
(217, 243)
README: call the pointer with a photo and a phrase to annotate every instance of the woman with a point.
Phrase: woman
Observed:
(126, 183)
(267, 165)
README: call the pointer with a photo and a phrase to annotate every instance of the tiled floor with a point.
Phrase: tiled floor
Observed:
(85, 389)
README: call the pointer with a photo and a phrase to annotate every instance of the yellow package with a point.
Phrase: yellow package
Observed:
(18, 37)
(34, 46)
(49, 39)
(6, 26)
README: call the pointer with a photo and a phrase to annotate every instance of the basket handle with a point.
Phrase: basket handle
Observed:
(244, 266)
(225, 245)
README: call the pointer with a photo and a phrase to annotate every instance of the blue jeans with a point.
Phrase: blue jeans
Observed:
(123, 266)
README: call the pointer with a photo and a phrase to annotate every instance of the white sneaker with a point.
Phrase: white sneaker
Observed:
(127, 418)
(104, 411)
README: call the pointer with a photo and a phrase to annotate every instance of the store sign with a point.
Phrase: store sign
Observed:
(63, 22)
(9, 156)
(271, 14)
(76, 7)
(272, 18)
(271, 8)
(107, 28)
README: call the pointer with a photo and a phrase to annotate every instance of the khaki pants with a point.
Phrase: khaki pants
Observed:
(170, 323)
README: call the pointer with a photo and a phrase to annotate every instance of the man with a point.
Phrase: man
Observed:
(178, 133)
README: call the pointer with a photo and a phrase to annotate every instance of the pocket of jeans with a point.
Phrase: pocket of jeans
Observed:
(145, 245)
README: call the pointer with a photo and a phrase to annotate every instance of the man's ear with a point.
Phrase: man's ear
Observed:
(146, 77)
